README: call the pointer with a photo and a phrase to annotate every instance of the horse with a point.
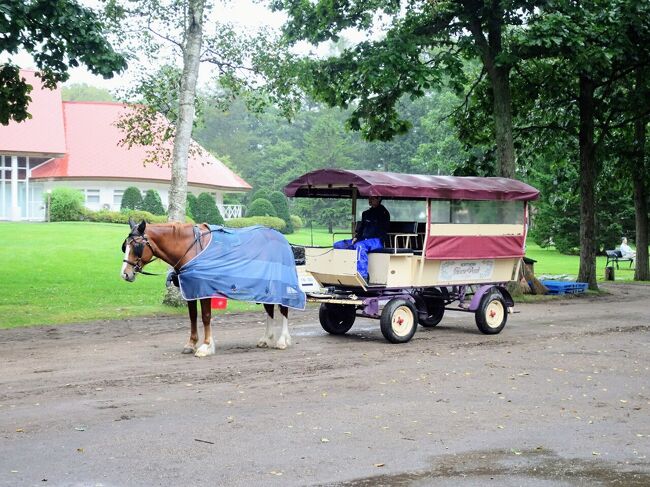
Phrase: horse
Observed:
(179, 244)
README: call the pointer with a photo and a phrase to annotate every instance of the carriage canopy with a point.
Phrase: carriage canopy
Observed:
(341, 183)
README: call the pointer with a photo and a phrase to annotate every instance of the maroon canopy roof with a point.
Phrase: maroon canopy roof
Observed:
(338, 183)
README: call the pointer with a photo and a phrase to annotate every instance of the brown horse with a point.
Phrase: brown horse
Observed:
(177, 244)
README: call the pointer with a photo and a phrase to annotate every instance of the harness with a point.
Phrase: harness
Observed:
(139, 241)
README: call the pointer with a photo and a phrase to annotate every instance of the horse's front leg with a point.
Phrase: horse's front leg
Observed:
(194, 334)
(208, 346)
(267, 339)
(285, 339)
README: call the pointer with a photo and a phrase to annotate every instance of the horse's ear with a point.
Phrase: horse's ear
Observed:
(131, 223)
(141, 227)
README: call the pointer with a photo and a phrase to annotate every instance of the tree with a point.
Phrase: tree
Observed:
(241, 60)
(261, 207)
(279, 202)
(152, 203)
(131, 199)
(206, 210)
(85, 92)
(59, 35)
(191, 205)
(424, 45)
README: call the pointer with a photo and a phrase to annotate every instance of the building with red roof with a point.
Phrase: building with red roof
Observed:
(77, 145)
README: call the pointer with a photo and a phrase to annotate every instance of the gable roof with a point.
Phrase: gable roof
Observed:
(41, 135)
(93, 152)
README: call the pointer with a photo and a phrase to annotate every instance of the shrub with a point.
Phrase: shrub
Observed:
(296, 221)
(279, 202)
(66, 204)
(266, 221)
(206, 210)
(190, 204)
(131, 199)
(152, 203)
(260, 194)
(261, 207)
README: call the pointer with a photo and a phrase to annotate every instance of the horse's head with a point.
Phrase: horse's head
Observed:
(137, 251)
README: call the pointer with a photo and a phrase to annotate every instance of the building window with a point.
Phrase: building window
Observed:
(117, 197)
(92, 195)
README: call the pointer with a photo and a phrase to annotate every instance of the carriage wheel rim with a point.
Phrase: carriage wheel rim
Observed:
(402, 321)
(494, 313)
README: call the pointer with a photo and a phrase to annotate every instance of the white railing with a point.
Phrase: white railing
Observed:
(228, 212)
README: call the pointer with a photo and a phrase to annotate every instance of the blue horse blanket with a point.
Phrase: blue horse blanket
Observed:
(245, 264)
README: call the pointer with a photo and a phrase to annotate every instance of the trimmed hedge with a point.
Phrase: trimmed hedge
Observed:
(267, 221)
(261, 207)
(297, 222)
(279, 202)
(190, 204)
(131, 199)
(66, 204)
(152, 203)
(206, 210)
(106, 216)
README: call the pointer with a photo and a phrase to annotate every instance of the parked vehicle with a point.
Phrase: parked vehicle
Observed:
(453, 244)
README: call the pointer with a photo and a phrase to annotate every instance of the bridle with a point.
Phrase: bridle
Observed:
(138, 242)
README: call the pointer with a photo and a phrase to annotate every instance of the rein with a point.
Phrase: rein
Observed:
(139, 247)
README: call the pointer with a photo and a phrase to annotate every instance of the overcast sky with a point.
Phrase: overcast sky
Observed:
(246, 13)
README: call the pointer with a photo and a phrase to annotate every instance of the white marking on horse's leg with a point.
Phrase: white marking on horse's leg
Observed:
(267, 338)
(285, 339)
(206, 349)
(126, 257)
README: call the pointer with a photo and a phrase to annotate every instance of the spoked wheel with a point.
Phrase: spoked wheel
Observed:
(492, 313)
(398, 320)
(431, 308)
(336, 319)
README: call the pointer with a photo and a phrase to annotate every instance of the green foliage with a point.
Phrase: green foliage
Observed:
(152, 202)
(190, 205)
(59, 35)
(85, 92)
(262, 193)
(66, 204)
(131, 199)
(279, 202)
(261, 207)
(266, 221)
(296, 222)
(106, 216)
(207, 211)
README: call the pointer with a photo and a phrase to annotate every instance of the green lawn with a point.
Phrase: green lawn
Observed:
(69, 272)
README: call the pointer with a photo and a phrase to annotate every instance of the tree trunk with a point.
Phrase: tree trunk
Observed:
(641, 273)
(587, 272)
(183, 135)
(502, 107)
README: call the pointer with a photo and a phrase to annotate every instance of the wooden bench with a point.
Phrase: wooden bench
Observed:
(616, 256)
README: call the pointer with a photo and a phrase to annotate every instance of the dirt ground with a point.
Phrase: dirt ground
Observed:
(560, 397)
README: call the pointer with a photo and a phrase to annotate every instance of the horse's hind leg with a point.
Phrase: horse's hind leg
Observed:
(194, 334)
(207, 347)
(267, 339)
(285, 339)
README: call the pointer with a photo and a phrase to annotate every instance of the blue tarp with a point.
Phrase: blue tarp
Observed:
(247, 264)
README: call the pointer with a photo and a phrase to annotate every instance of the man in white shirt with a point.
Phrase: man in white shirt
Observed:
(626, 251)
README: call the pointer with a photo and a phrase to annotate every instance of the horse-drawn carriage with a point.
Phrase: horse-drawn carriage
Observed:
(452, 240)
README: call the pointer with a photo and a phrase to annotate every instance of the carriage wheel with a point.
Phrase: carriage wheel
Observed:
(492, 313)
(336, 319)
(431, 309)
(398, 320)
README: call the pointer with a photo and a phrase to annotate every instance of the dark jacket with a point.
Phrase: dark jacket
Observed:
(374, 223)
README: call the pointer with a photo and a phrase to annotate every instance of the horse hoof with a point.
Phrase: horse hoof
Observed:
(205, 350)
(188, 350)
(262, 344)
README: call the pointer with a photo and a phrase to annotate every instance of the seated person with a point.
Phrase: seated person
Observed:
(370, 235)
(626, 250)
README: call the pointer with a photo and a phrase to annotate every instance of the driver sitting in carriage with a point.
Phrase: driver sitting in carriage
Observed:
(370, 234)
